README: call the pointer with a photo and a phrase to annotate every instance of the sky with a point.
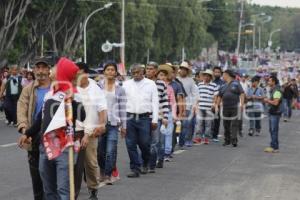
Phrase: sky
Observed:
(282, 3)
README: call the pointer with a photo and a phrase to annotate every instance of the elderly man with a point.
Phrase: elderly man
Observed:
(29, 105)
(142, 112)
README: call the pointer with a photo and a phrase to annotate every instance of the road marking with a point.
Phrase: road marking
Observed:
(8, 145)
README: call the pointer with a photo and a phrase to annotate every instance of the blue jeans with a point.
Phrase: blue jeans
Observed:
(205, 119)
(138, 134)
(274, 128)
(107, 150)
(155, 150)
(55, 176)
(287, 103)
(168, 138)
(186, 132)
(255, 120)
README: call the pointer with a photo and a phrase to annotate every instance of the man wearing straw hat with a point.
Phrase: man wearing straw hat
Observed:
(190, 88)
(208, 92)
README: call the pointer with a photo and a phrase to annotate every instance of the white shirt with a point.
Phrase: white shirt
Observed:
(244, 85)
(94, 101)
(142, 97)
(191, 90)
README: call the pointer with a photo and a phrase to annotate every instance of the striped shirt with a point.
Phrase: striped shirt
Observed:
(207, 92)
(164, 107)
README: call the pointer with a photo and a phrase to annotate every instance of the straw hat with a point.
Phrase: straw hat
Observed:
(165, 67)
(207, 71)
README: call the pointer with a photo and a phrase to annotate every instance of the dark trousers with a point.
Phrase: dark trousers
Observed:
(241, 125)
(10, 106)
(231, 124)
(79, 171)
(216, 126)
(138, 134)
(33, 161)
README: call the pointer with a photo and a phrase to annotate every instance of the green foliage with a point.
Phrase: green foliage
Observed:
(162, 26)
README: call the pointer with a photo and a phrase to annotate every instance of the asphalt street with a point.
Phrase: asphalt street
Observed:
(204, 172)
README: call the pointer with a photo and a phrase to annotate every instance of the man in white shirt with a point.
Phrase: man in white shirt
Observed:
(142, 116)
(95, 105)
(186, 136)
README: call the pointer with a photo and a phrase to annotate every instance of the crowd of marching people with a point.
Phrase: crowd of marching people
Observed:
(159, 109)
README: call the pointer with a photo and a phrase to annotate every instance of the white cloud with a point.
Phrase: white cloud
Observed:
(282, 3)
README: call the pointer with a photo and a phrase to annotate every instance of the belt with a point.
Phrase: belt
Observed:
(134, 115)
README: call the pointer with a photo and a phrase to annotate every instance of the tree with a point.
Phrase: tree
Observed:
(11, 15)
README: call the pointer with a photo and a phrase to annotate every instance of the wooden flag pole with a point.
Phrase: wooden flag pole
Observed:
(69, 117)
(71, 173)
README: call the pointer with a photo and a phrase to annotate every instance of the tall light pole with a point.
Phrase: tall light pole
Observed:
(260, 29)
(240, 29)
(271, 35)
(106, 6)
(254, 30)
(122, 49)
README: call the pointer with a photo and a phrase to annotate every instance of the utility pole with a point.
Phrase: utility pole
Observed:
(122, 49)
(240, 28)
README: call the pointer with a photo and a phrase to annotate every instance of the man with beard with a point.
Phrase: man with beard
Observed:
(29, 105)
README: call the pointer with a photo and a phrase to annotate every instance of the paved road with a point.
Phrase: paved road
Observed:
(201, 173)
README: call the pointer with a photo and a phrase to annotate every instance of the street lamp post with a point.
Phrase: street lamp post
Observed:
(106, 6)
(240, 29)
(260, 29)
(271, 35)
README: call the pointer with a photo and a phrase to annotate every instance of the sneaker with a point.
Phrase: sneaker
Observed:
(226, 143)
(115, 176)
(133, 175)
(197, 141)
(160, 164)
(285, 120)
(275, 151)
(167, 159)
(151, 171)
(144, 170)
(269, 150)
(216, 140)
(257, 133)
(108, 180)
(7, 122)
(182, 147)
(251, 132)
(206, 141)
(93, 194)
(188, 144)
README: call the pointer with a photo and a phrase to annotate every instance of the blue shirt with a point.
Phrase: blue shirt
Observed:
(177, 88)
(40, 95)
(259, 92)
